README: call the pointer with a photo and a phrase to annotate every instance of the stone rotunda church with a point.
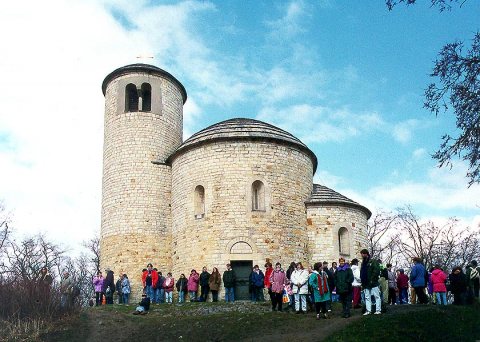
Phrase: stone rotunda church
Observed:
(240, 191)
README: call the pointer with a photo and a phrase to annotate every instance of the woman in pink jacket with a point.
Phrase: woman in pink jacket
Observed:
(192, 285)
(439, 288)
(278, 279)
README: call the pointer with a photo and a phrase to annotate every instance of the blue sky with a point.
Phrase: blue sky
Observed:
(346, 77)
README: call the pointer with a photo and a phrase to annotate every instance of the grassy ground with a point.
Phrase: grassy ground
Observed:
(247, 322)
(433, 323)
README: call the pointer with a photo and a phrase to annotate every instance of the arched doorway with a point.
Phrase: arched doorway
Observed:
(241, 254)
(242, 269)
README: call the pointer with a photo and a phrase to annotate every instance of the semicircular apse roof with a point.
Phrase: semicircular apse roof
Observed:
(323, 195)
(244, 129)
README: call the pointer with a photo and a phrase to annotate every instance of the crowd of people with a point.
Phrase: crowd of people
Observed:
(369, 285)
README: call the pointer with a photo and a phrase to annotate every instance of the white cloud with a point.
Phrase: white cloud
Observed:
(403, 131)
(315, 124)
(191, 113)
(419, 153)
(281, 83)
(443, 189)
(327, 179)
(291, 24)
(52, 106)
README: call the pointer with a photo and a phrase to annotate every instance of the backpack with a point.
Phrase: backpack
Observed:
(474, 273)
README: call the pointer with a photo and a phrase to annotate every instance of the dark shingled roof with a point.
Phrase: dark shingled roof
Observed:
(146, 68)
(244, 129)
(323, 195)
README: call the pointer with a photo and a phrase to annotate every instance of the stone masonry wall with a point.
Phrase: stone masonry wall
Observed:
(230, 230)
(136, 216)
(323, 223)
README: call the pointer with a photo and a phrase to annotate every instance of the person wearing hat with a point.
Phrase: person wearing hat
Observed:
(229, 279)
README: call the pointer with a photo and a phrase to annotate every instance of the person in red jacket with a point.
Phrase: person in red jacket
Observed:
(402, 285)
(266, 280)
(439, 288)
(149, 280)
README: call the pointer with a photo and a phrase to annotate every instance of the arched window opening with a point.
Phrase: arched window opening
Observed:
(199, 202)
(343, 241)
(146, 97)
(131, 98)
(258, 196)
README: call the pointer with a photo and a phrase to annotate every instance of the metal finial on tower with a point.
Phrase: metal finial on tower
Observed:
(144, 58)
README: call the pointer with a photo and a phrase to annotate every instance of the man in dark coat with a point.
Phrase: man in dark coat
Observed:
(109, 286)
(369, 274)
(229, 280)
(159, 289)
(343, 281)
(458, 286)
(204, 286)
(118, 288)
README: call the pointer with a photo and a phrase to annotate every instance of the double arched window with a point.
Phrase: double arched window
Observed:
(136, 100)
(199, 202)
(258, 196)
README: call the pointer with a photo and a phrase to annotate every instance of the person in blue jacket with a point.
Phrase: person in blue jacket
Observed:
(418, 278)
(257, 282)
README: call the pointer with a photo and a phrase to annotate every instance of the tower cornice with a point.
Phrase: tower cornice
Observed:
(145, 68)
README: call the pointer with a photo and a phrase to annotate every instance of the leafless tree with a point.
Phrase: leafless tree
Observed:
(399, 236)
(446, 245)
(5, 233)
(467, 249)
(382, 235)
(27, 257)
(93, 248)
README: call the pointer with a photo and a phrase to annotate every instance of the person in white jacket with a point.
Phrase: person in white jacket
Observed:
(299, 280)
(357, 283)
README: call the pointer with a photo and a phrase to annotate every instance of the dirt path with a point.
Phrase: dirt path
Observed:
(318, 332)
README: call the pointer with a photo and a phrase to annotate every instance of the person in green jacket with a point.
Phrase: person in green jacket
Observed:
(343, 281)
(318, 280)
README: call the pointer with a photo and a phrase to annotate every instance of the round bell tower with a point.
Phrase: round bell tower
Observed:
(143, 126)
